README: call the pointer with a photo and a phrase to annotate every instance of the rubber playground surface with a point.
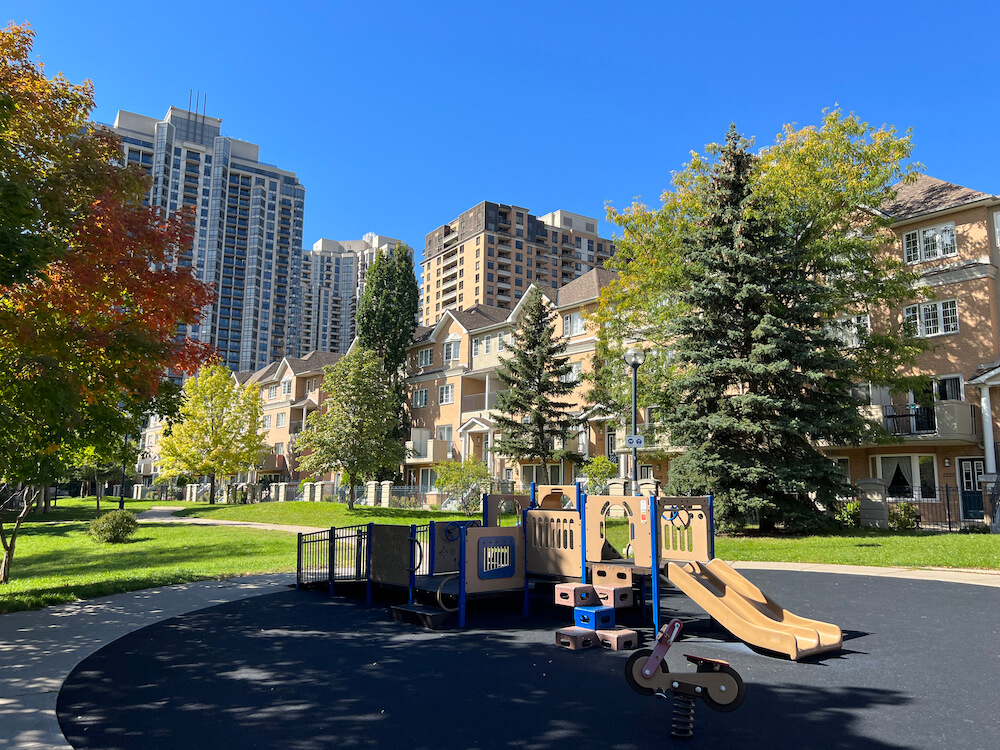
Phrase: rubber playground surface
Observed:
(298, 670)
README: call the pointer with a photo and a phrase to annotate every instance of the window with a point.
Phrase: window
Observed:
(267, 421)
(286, 388)
(272, 391)
(444, 432)
(910, 477)
(572, 324)
(501, 344)
(425, 357)
(446, 394)
(929, 243)
(933, 318)
(488, 342)
(949, 388)
(573, 376)
(279, 449)
(450, 351)
(280, 422)
(475, 347)
(420, 398)
(852, 330)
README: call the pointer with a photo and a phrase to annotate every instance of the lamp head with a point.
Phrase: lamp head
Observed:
(635, 356)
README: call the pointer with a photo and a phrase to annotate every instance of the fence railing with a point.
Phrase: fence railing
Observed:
(313, 564)
(350, 553)
(945, 507)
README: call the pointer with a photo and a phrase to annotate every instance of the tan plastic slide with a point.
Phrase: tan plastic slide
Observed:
(749, 614)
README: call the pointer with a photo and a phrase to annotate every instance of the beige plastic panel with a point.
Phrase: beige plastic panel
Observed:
(494, 557)
(390, 553)
(637, 511)
(495, 502)
(554, 543)
(684, 530)
(549, 496)
(445, 551)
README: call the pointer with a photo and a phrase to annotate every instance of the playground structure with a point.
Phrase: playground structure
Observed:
(561, 536)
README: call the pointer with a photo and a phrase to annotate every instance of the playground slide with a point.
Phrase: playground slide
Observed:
(749, 614)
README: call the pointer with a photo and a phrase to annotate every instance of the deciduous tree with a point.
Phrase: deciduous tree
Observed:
(467, 480)
(356, 431)
(218, 429)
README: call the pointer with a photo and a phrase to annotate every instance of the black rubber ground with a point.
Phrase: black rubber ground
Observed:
(920, 669)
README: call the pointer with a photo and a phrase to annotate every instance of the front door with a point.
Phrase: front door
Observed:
(971, 470)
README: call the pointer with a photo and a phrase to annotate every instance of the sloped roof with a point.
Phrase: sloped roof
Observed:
(480, 316)
(420, 333)
(264, 374)
(242, 377)
(929, 194)
(314, 360)
(587, 287)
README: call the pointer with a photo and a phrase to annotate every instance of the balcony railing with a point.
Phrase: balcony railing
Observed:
(479, 401)
(945, 420)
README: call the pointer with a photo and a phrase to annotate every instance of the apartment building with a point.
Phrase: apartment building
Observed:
(290, 390)
(333, 281)
(453, 389)
(950, 235)
(248, 229)
(491, 254)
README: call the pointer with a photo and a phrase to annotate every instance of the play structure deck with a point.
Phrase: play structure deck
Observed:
(561, 535)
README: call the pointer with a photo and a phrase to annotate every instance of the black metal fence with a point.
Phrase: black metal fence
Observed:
(941, 508)
(313, 563)
(349, 554)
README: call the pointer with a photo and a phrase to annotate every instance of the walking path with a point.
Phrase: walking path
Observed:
(165, 514)
(39, 649)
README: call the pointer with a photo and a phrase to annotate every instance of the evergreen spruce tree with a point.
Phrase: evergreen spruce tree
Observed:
(762, 376)
(529, 413)
(387, 311)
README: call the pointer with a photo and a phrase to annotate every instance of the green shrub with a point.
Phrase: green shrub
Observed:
(849, 513)
(979, 528)
(115, 527)
(903, 516)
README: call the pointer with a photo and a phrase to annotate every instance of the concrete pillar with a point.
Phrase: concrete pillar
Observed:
(987, 415)
(617, 486)
(385, 493)
(371, 493)
(874, 505)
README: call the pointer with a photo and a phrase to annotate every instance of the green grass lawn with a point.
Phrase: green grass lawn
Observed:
(320, 515)
(56, 561)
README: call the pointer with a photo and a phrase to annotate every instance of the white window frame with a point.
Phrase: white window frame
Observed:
(574, 375)
(501, 343)
(930, 243)
(875, 462)
(930, 317)
(954, 376)
(850, 328)
(267, 421)
(451, 351)
(573, 324)
(446, 394)
(272, 392)
(281, 419)
(279, 449)
(475, 347)
(420, 398)
(425, 357)
(286, 387)
(488, 344)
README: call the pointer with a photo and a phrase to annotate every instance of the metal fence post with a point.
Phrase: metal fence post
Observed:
(298, 562)
(947, 504)
(331, 562)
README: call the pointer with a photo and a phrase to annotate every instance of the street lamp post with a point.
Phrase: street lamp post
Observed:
(634, 357)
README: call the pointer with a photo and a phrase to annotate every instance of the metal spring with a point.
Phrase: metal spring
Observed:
(683, 720)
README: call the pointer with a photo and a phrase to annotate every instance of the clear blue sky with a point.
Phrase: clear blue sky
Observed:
(397, 116)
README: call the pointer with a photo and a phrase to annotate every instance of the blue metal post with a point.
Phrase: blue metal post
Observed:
(531, 490)
(298, 564)
(413, 563)
(654, 517)
(461, 577)
(368, 565)
(486, 512)
(581, 503)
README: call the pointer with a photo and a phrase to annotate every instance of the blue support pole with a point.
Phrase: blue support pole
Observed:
(532, 495)
(461, 577)
(368, 565)
(654, 516)
(413, 564)
(486, 512)
(581, 504)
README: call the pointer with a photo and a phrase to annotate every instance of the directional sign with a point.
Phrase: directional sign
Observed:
(635, 441)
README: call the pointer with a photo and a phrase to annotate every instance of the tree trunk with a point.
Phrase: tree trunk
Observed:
(211, 489)
(350, 492)
(10, 541)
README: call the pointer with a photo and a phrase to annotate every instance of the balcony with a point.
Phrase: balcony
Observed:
(944, 423)
(428, 451)
(656, 439)
(272, 464)
(479, 401)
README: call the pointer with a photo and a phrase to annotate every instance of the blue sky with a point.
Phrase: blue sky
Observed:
(397, 116)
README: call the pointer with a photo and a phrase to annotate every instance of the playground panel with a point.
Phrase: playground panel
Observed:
(637, 512)
(494, 560)
(553, 539)
(512, 503)
(684, 529)
(550, 496)
(390, 554)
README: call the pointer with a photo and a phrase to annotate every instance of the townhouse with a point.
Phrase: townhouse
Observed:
(949, 235)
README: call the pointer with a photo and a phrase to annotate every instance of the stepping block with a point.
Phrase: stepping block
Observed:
(594, 618)
(576, 639)
(612, 575)
(419, 614)
(576, 594)
(615, 596)
(622, 639)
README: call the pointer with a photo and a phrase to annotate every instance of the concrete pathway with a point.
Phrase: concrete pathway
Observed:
(165, 514)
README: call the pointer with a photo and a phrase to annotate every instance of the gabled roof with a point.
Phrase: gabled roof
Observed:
(422, 333)
(264, 374)
(479, 316)
(314, 361)
(928, 195)
(242, 377)
(585, 288)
